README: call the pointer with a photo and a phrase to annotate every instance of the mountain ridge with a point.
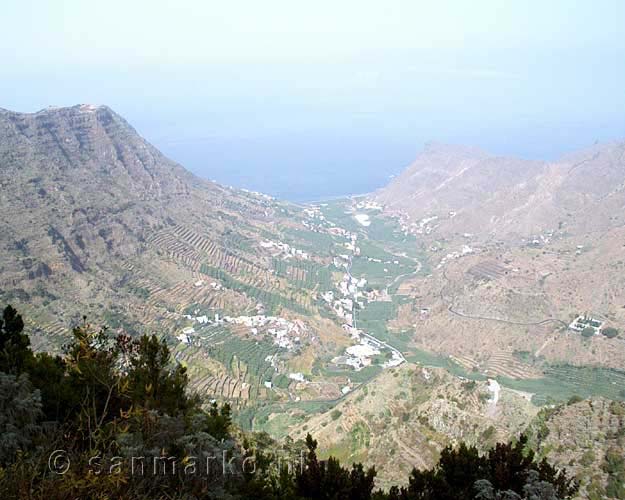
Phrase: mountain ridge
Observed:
(506, 196)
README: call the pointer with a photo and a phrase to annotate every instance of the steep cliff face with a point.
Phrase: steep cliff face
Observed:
(79, 185)
(91, 146)
(82, 197)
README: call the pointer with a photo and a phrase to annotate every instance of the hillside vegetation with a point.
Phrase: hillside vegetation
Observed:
(109, 405)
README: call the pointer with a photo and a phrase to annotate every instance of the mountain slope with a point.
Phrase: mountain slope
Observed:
(97, 222)
(474, 192)
(83, 193)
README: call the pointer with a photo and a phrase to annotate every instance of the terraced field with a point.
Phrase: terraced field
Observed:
(192, 249)
(272, 301)
(244, 366)
(304, 274)
(500, 364)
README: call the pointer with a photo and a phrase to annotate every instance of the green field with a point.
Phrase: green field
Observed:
(357, 377)
(257, 417)
(374, 318)
(437, 361)
(321, 244)
(561, 382)
(382, 229)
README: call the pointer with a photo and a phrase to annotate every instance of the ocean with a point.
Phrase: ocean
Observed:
(295, 167)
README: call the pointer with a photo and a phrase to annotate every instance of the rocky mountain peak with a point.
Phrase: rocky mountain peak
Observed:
(94, 143)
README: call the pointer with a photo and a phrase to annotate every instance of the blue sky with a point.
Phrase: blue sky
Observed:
(312, 99)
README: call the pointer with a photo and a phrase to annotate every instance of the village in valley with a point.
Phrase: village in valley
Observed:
(350, 262)
(357, 283)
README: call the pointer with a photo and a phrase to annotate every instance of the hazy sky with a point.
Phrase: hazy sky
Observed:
(279, 95)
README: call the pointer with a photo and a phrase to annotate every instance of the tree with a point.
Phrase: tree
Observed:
(588, 332)
(534, 489)
(610, 332)
(92, 372)
(329, 480)
(116, 396)
(14, 344)
(218, 421)
(307, 481)
(361, 482)
(502, 474)
(59, 398)
(153, 382)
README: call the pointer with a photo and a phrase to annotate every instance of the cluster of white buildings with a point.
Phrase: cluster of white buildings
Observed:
(202, 320)
(317, 222)
(342, 260)
(348, 292)
(259, 194)
(427, 225)
(586, 321)
(360, 355)
(465, 250)
(315, 219)
(314, 212)
(375, 295)
(284, 249)
(542, 239)
(298, 377)
(187, 332)
(343, 307)
(286, 334)
(423, 226)
(214, 285)
(368, 205)
(339, 231)
(349, 286)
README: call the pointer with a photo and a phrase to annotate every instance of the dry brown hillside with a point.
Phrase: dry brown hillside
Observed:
(474, 192)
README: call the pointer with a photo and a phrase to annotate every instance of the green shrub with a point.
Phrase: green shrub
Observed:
(588, 332)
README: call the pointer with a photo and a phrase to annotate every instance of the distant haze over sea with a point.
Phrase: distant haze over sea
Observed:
(313, 166)
(305, 131)
(298, 167)
(313, 100)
